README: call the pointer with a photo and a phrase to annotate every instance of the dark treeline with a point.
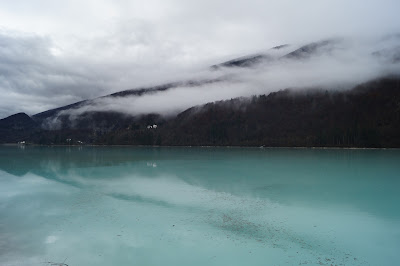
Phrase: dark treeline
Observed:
(366, 116)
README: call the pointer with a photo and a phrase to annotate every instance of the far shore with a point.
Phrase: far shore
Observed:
(198, 146)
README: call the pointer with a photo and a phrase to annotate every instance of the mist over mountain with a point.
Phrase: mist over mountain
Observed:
(333, 64)
(331, 69)
(53, 55)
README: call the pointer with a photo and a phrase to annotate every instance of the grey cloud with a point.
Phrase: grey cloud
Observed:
(31, 78)
(34, 79)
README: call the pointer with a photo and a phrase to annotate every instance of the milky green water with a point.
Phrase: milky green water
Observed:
(198, 206)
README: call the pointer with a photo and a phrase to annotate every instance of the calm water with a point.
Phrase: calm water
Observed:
(198, 206)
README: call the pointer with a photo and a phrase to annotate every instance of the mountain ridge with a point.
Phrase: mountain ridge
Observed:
(366, 116)
(96, 126)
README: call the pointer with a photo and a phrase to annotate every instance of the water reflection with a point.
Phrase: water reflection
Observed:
(122, 205)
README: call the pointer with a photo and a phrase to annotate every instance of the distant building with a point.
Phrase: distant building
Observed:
(152, 126)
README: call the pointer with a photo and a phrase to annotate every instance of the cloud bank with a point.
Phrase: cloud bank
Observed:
(337, 64)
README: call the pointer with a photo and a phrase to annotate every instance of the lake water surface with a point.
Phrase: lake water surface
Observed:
(198, 206)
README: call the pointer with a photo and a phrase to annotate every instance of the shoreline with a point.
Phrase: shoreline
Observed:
(206, 146)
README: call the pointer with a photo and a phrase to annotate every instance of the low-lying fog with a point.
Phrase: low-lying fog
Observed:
(335, 64)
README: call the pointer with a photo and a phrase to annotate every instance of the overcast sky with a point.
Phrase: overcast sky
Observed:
(54, 53)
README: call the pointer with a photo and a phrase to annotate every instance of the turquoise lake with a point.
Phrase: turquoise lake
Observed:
(198, 206)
